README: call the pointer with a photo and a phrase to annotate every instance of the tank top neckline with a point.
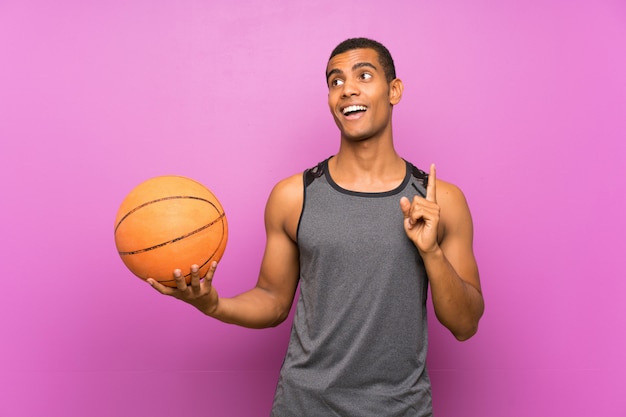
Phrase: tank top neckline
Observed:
(394, 191)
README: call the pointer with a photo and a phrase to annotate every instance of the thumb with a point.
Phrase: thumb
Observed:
(159, 287)
(405, 206)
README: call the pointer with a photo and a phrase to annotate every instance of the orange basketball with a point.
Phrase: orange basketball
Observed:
(168, 223)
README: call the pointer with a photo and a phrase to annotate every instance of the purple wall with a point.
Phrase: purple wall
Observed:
(521, 104)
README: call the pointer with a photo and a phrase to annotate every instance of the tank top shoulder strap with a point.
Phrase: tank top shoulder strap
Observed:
(419, 179)
(317, 171)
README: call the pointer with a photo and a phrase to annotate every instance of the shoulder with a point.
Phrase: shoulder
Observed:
(288, 189)
(291, 189)
(449, 194)
(455, 213)
(284, 205)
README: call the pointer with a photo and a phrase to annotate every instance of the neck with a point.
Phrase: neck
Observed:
(367, 166)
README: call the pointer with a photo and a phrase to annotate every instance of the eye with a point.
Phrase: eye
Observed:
(336, 82)
(366, 76)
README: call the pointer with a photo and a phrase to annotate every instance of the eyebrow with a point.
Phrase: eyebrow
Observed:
(354, 67)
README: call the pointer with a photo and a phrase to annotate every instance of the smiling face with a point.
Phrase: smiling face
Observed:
(359, 96)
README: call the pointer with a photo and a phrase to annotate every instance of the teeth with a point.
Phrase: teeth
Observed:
(353, 108)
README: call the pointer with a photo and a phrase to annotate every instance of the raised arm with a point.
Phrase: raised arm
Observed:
(441, 227)
(269, 302)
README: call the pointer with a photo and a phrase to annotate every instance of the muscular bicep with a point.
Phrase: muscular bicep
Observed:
(280, 265)
(458, 236)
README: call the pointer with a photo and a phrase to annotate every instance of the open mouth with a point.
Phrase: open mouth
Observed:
(353, 110)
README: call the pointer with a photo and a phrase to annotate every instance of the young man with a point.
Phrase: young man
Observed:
(364, 233)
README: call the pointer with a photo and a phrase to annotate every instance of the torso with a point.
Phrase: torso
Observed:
(359, 333)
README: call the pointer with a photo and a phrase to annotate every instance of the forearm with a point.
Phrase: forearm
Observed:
(256, 308)
(458, 304)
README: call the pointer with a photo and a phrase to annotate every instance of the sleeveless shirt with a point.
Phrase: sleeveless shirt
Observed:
(359, 336)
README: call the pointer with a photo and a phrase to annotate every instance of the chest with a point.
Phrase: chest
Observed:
(350, 225)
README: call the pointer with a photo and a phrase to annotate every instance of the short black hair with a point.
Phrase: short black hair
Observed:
(384, 57)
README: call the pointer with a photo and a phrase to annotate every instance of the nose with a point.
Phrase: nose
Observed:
(350, 88)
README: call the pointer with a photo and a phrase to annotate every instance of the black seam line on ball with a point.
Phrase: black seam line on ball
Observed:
(134, 252)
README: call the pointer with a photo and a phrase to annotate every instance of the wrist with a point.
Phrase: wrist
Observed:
(210, 307)
(433, 254)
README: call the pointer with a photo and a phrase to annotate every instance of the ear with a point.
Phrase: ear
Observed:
(395, 91)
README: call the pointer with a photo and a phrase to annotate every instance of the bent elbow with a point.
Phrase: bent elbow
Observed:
(277, 322)
(470, 327)
(466, 335)
(281, 316)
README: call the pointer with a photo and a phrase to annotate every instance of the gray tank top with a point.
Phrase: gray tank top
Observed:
(359, 337)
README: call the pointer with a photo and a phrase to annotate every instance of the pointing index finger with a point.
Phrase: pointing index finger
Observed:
(431, 189)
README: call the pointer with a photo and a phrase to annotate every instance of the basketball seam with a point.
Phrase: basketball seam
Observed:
(175, 197)
(166, 281)
(193, 232)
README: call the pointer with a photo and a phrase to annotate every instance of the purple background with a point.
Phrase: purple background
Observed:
(521, 104)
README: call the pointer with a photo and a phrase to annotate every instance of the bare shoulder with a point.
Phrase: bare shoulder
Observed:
(449, 194)
(288, 191)
(455, 213)
(284, 204)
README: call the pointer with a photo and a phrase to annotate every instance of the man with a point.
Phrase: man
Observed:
(364, 233)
